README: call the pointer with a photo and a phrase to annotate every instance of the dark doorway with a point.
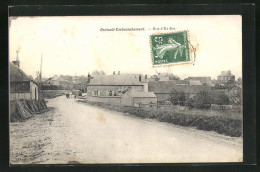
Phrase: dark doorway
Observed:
(35, 93)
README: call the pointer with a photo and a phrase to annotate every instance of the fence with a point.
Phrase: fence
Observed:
(113, 100)
(52, 93)
(213, 107)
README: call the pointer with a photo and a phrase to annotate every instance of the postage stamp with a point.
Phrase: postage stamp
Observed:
(170, 48)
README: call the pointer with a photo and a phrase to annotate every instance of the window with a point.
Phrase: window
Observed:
(95, 93)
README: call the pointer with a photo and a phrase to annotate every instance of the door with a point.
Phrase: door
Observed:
(35, 93)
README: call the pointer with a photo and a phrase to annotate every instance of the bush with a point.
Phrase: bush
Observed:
(202, 100)
(221, 125)
(219, 98)
(177, 98)
(189, 103)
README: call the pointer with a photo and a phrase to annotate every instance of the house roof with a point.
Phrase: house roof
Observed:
(161, 86)
(115, 80)
(141, 94)
(164, 78)
(166, 87)
(137, 77)
(182, 82)
(16, 74)
(195, 82)
(203, 79)
(55, 77)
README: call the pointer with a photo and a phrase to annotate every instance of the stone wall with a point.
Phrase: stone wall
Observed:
(113, 100)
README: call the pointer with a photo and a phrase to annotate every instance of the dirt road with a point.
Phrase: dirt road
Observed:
(76, 132)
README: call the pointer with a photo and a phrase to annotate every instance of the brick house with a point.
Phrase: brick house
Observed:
(226, 77)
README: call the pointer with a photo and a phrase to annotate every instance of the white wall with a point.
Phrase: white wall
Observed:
(34, 87)
(17, 96)
(145, 87)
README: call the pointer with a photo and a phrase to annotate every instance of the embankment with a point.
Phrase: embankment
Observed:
(220, 124)
(23, 109)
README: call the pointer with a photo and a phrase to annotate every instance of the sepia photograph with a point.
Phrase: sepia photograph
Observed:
(125, 89)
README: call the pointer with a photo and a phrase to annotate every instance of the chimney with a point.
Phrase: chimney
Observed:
(89, 78)
(118, 73)
(114, 73)
(17, 62)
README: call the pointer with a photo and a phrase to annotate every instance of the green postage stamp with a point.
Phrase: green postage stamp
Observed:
(170, 48)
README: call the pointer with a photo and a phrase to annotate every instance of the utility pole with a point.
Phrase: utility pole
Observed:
(37, 76)
(17, 51)
(41, 70)
(40, 78)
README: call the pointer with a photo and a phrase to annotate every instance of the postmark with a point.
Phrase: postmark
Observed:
(171, 48)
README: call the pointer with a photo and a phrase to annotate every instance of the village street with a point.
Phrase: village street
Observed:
(77, 132)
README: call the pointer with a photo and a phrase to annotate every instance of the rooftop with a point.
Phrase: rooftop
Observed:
(16, 74)
(115, 80)
(195, 82)
(166, 87)
(200, 78)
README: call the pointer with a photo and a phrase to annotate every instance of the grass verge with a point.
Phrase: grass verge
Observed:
(220, 124)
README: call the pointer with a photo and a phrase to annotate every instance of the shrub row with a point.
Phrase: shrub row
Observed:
(219, 124)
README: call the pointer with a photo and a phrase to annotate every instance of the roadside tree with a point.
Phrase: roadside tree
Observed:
(177, 98)
(202, 100)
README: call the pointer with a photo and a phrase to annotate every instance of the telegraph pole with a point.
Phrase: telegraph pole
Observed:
(40, 76)
(41, 70)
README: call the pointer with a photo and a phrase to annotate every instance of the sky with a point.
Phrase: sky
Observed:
(76, 46)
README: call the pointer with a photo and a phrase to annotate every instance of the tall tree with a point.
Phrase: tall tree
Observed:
(170, 75)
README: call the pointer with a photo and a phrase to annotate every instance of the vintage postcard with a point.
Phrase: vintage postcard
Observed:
(125, 89)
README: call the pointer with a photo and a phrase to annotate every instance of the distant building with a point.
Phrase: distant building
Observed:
(21, 85)
(235, 94)
(153, 78)
(164, 78)
(239, 81)
(181, 82)
(137, 98)
(195, 82)
(226, 77)
(56, 80)
(203, 80)
(163, 89)
(120, 89)
(115, 85)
